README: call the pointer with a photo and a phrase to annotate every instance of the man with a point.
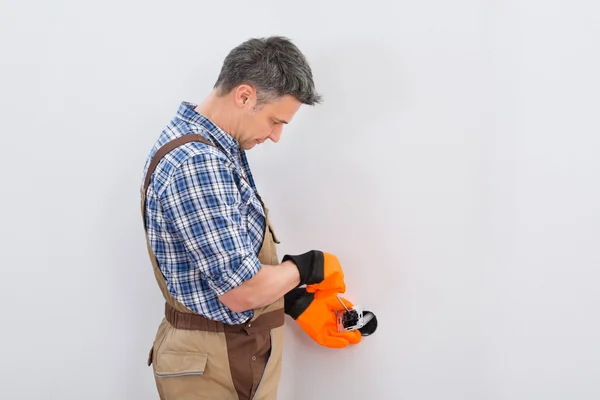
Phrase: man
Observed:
(211, 242)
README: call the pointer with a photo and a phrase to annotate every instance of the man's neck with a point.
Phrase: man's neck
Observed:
(215, 108)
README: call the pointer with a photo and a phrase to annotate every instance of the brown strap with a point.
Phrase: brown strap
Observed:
(167, 148)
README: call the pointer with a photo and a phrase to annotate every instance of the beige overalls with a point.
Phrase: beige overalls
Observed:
(195, 358)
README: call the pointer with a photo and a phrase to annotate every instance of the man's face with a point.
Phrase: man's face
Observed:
(256, 126)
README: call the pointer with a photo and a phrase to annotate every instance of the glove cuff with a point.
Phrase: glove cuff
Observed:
(311, 266)
(297, 301)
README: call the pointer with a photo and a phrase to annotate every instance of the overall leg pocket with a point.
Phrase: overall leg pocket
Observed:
(192, 365)
(180, 363)
(179, 375)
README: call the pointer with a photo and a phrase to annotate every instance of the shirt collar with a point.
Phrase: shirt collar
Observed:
(221, 138)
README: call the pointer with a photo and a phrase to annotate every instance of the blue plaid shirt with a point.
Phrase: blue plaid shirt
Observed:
(205, 221)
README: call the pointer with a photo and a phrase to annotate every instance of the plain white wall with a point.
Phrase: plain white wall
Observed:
(451, 168)
(540, 310)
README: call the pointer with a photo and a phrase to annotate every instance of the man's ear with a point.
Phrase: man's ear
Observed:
(245, 96)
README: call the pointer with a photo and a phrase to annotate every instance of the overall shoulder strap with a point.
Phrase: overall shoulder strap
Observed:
(169, 147)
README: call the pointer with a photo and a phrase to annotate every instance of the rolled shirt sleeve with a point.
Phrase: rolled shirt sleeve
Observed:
(204, 205)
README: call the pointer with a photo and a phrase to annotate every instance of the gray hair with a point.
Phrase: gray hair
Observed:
(274, 66)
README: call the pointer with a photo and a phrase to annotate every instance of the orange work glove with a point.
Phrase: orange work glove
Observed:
(317, 318)
(319, 271)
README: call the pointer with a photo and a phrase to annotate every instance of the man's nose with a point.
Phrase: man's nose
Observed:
(276, 134)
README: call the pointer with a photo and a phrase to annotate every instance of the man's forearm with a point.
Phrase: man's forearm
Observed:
(276, 282)
(268, 285)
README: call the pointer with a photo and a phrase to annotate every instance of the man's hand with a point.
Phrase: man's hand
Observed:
(317, 318)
